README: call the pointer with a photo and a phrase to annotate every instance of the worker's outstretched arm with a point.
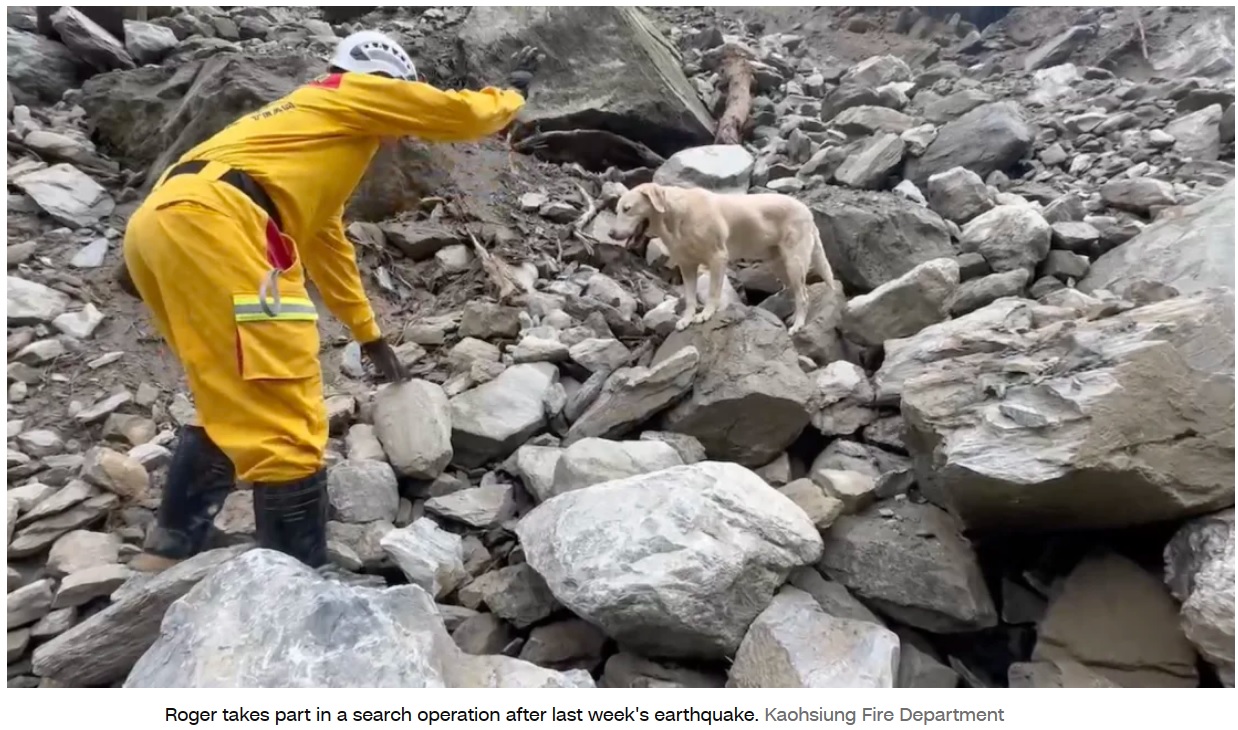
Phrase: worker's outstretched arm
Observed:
(383, 107)
(331, 262)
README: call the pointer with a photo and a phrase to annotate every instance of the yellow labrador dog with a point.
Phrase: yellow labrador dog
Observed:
(703, 228)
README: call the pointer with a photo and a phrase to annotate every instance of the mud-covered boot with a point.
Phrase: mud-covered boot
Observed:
(199, 480)
(291, 517)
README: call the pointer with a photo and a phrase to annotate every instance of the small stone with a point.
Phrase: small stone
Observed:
(808, 496)
(29, 603)
(116, 472)
(854, 490)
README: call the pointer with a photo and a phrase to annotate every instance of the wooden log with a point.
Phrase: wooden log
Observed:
(737, 71)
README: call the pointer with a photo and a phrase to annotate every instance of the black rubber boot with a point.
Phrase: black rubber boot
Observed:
(200, 478)
(291, 517)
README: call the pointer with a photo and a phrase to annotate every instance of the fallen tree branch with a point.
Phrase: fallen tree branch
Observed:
(497, 269)
(737, 71)
(1143, 37)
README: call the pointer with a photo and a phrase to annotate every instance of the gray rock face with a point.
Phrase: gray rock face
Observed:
(630, 671)
(955, 105)
(103, 648)
(871, 238)
(29, 603)
(429, 556)
(1191, 253)
(862, 120)
(845, 399)
(1136, 429)
(491, 420)
(67, 194)
(870, 166)
(90, 41)
(1009, 237)
(958, 194)
(986, 139)
(1059, 48)
(147, 42)
(632, 556)
(516, 594)
(747, 365)
(593, 461)
(631, 396)
(793, 643)
(1198, 135)
(903, 306)
(39, 70)
(721, 168)
(1138, 194)
(877, 71)
(1116, 619)
(363, 491)
(1199, 569)
(608, 69)
(481, 507)
(302, 630)
(914, 566)
(412, 421)
(977, 293)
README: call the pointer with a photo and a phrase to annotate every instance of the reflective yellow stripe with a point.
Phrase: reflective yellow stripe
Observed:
(247, 308)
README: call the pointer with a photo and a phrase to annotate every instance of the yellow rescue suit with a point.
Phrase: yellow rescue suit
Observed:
(199, 251)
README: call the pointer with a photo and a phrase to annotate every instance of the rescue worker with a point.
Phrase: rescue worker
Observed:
(219, 252)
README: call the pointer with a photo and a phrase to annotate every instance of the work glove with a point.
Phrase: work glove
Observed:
(385, 361)
(525, 63)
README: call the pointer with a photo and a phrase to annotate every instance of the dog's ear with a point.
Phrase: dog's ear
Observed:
(657, 198)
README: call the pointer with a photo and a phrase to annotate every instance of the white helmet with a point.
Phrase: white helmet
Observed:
(369, 51)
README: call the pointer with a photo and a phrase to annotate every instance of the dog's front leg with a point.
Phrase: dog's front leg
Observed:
(717, 277)
(689, 274)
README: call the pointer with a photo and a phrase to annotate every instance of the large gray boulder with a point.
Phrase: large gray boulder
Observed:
(92, 43)
(749, 401)
(871, 238)
(913, 565)
(266, 620)
(40, 70)
(1190, 252)
(606, 68)
(1199, 570)
(1113, 422)
(986, 139)
(493, 419)
(676, 563)
(794, 643)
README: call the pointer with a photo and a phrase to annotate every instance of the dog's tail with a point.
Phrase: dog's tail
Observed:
(820, 264)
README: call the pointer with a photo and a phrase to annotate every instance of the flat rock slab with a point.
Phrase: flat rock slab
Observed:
(910, 562)
(493, 419)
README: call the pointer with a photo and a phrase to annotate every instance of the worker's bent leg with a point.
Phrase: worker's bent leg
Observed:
(199, 480)
(255, 376)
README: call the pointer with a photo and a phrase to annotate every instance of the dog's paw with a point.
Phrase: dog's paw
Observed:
(702, 317)
(682, 324)
(793, 329)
